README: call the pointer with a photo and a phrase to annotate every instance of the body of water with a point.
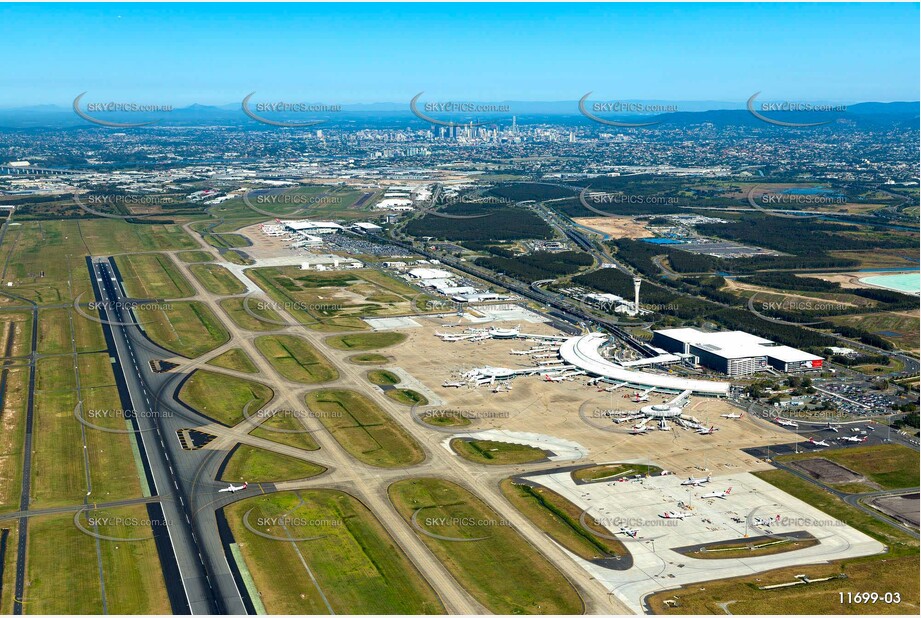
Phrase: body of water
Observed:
(906, 282)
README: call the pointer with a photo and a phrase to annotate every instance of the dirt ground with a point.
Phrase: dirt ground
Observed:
(553, 408)
(618, 227)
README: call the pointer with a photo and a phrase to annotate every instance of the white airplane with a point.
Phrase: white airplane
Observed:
(696, 482)
(637, 397)
(853, 439)
(639, 429)
(831, 427)
(629, 532)
(552, 378)
(717, 494)
(674, 515)
(758, 521)
(452, 384)
(704, 431)
(785, 423)
(818, 442)
(731, 415)
(233, 488)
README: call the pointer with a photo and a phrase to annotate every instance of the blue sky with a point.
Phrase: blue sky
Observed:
(352, 53)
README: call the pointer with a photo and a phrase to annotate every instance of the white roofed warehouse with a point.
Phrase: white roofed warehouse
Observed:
(735, 353)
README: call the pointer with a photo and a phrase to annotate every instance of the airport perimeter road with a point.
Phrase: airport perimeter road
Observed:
(205, 577)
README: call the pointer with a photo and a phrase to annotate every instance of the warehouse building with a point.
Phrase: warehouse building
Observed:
(735, 353)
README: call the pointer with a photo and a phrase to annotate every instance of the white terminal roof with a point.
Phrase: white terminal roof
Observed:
(737, 344)
(311, 225)
(583, 353)
(430, 273)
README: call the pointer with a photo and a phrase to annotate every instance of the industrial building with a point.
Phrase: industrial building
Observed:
(312, 227)
(735, 353)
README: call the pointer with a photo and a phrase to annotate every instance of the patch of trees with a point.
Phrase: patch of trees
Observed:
(789, 281)
(863, 336)
(499, 223)
(523, 191)
(538, 265)
(799, 237)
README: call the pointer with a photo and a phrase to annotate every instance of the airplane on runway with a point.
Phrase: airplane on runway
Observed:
(731, 415)
(705, 431)
(674, 515)
(233, 488)
(814, 442)
(631, 533)
(785, 423)
(696, 482)
(717, 494)
(853, 439)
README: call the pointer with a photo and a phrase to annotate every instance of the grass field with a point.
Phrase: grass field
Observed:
(357, 565)
(444, 418)
(891, 466)
(330, 301)
(365, 341)
(152, 275)
(256, 465)
(559, 518)
(235, 257)
(61, 580)
(363, 429)
(226, 241)
(217, 279)
(58, 470)
(369, 359)
(235, 359)
(503, 571)
(234, 309)
(186, 328)
(608, 472)
(286, 424)
(46, 258)
(382, 377)
(823, 598)
(12, 412)
(296, 359)
(195, 256)
(407, 397)
(223, 397)
(901, 328)
(496, 453)
(769, 547)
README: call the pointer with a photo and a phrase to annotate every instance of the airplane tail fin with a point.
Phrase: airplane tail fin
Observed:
(245, 485)
(729, 491)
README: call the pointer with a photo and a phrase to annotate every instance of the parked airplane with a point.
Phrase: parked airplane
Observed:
(674, 515)
(696, 482)
(717, 494)
(818, 442)
(552, 378)
(233, 488)
(704, 431)
(853, 439)
(758, 521)
(831, 427)
(732, 415)
(785, 423)
(639, 429)
(452, 384)
(629, 532)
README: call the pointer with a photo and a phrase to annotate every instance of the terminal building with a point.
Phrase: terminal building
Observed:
(735, 353)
